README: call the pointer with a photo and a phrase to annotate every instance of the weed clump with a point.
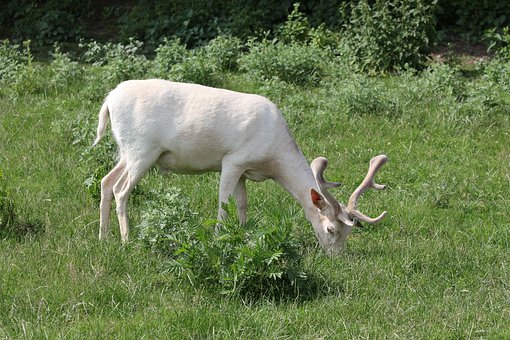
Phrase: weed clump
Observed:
(253, 259)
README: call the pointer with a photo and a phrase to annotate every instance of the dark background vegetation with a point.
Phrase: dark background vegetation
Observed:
(196, 22)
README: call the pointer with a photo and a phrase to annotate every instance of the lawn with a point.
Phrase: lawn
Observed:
(438, 266)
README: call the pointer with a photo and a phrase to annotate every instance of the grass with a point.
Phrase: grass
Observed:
(437, 267)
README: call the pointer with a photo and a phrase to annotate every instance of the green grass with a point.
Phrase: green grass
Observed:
(437, 267)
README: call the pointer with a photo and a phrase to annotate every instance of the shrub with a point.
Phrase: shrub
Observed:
(471, 18)
(174, 62)
(120, 61)
(499, 42)
(224, 52)
(196, 69)
(295, 29)
(256, 259)
(293, 63)
(498, 71)
(45, 22)
(64, 70)
(11, 62)
(388, 36)
(168, 54)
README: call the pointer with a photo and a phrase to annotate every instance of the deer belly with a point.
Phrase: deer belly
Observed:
(195, 163)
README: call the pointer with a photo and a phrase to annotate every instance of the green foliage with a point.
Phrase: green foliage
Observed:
(292, 63)
(11, 62)
(224, 52)
(64, 70)
(254, 259)
(120, 61)
(472, 18)
(166, 220)
(499, 42)
(295, 29)
(201, 65)
(168, 54)
(388, 36)
(443, 80)
(17, 70)
(365, 97)
(195, 23)
(174, 62)
(45, 22)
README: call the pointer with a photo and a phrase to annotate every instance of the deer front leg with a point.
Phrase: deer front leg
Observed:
(232, 184)
(241, 199)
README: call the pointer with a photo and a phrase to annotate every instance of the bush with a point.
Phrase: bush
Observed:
(224, 52)
(174, 62)
(12, 60)
(64, 70)
(45, 22)
(499, 42)
(472, 18)
(197, 69)
(498, 71)
(443, 81)
(168, 54)
(120, 61)
(293, 63)
(252, 259)
(388, 36)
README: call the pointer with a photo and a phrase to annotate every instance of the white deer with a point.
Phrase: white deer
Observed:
(187, 128)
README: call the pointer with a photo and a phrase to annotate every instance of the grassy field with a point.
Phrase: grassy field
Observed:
(437, 267)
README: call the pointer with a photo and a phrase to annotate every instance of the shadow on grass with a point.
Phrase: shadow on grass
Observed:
(15, 225)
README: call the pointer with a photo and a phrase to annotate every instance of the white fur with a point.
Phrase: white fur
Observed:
(185, 128)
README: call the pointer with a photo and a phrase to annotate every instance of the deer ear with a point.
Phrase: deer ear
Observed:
(318, 200)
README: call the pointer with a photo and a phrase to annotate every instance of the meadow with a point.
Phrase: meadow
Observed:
(438, 266)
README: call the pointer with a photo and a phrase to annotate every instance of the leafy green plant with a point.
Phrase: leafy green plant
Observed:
(11, 62)
(64, 70)
(295, 29)
(256, 258)
(293, 63)
(45, 22)
(471, 18)
(17, 68)
(168, 54)
(174, 62)
(388, 36)
(224, 52)
(120, 61)
(499, 42)
(166, 216)
(444, 81)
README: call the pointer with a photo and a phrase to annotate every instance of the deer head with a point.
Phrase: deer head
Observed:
(336, 219)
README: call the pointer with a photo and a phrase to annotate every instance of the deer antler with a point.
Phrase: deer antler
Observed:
(318, 166)
(368, 183)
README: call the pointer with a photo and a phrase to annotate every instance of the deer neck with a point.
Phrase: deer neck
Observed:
(296, 177)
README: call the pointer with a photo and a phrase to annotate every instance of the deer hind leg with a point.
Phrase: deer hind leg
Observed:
(105, 206)
(131, 175)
